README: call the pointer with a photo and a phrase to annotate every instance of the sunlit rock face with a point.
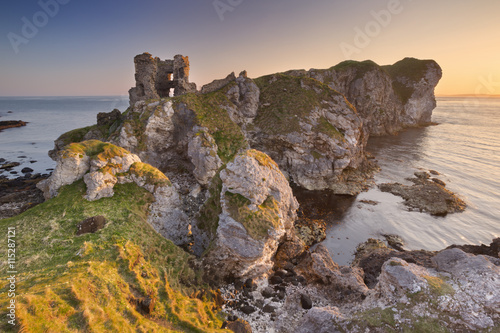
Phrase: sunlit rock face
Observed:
(257, 209)
(388, 98)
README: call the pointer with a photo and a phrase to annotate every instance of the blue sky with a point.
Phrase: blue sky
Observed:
(87, 47)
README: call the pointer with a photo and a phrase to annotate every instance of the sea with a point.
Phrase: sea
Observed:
(463, 146)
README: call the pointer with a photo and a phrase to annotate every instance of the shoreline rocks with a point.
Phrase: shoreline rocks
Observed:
(426, 195)
(5, 124)
(19, 194)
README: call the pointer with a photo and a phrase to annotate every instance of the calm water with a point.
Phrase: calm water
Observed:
(48, 118)
(464, 148)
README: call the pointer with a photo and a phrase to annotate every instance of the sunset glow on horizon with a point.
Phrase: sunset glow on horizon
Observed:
(69, 47)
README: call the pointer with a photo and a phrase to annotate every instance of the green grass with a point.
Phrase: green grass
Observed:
(209, 113)
(93, 282)
(324, 126)
(75, 135)
(151, 174)
(362, 67)
(286, 100)
(257, 223)
(410, 68)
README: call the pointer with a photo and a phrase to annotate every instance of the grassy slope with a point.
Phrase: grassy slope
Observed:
(210, 113)
(95, 282)
(410, 68)
(286, 100)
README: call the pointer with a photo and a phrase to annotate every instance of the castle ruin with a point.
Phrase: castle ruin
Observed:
(155, 78)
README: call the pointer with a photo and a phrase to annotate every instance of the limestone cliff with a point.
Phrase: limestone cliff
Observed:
(388, 98)
(257, 210)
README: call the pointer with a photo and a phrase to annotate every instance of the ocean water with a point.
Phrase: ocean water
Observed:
(464, 147)
(48, 118)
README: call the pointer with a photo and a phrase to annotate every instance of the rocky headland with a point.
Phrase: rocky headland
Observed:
(212, 171)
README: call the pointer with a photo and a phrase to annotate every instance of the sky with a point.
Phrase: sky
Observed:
(86, 48)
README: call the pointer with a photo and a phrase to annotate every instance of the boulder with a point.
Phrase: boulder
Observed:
(258, 209)
(321, 320)
(318, 267)
(202, 151)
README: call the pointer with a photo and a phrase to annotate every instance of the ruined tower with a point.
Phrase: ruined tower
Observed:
(154, 78)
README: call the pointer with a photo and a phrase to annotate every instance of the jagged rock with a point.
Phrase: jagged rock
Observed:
(320, 320)
(289, 249)
(11, 124)
(388, 98)
(493, 250)
(476, 280)
(217, 84)
(398, 278)
(319, 267)
(258, 208)
(245, 94)
(202, 150)
(68, 170)
(311, 131)
(426, 195)
(371, 255)
(99, 185)
(462, 291)
(108, 118)
(109, 165)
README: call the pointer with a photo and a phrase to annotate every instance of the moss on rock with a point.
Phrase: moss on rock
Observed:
(258, 222)
(286, 100)
(151, 174)
(210, 112)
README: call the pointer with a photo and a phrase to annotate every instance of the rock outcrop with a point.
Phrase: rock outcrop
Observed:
(11, 124)
(388, 98)
(312, 132)
(303, 119)
(258, 209)
(102, 166)
(426, 195)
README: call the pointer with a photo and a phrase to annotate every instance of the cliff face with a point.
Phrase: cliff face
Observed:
(388, 98)
(312, 126)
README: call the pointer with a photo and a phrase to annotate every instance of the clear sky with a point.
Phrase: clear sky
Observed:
(77, 47)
